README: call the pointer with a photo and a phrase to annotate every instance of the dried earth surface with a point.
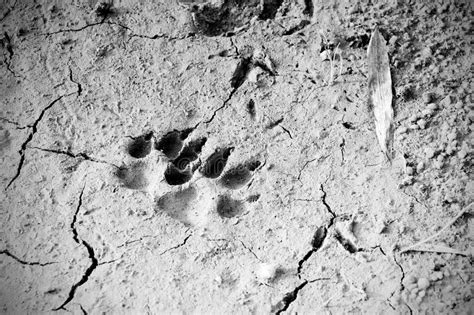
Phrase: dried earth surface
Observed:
(191, 157)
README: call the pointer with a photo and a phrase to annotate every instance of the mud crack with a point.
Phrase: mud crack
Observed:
(24, 262)
(90, 251)
(80, 155)
(17, 125)
(34, 128)
(6, 43)
(8, 11)
(177, 246)
(342, 147)
(289, 298)
(224, 104)
(304, 166)
(101, 22)
(249, 249)
(328, 208)
(316, 243)
(79, 86)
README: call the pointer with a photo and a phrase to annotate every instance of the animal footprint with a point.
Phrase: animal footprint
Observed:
(190, 199)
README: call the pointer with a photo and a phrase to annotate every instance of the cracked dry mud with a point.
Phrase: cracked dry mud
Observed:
(191, 157)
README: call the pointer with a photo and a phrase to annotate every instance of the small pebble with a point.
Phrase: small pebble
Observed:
(419, 167)
(459, 105)
(409, 170)
(402, 130)
(422, 123)
(325, 55)
(422, 293)
(429, 152)
(428, 97)
(414, 127)
(407, 180)
(427, 112)
(462, 154)
(413, 118)
(393, 40)
(437, 275)
(449, 288)
(446, 102)
(452, 136)
(423, 283)
(432, 106)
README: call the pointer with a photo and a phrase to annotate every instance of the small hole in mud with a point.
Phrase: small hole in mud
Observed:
(251, 109)
(189, 154)
(172, 142)
(140, 147)
(175, 176)
(133, 176)
(228, 207)
(216, 163)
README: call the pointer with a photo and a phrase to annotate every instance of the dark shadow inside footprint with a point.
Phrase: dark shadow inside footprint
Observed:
(141, 146)
(133, 176)
(175, 176)
(228, 207)
(189, 154)
(172, 142)
(215, 164)
(238, 176)
(177, 204)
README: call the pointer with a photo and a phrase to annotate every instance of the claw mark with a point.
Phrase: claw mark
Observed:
(23, 262)
(90, 250)
(289, 298)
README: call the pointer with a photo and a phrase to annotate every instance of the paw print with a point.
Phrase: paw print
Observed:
(184, 188)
